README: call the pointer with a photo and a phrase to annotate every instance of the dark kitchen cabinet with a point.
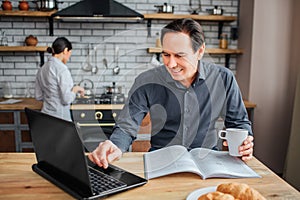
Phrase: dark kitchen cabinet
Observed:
(14, 131)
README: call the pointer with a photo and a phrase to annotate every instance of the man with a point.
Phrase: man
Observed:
(185, 97)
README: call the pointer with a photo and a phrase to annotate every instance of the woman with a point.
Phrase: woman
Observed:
(54, 84)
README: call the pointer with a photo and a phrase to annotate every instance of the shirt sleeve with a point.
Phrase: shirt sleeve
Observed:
(130, 118)
(66, 84)
(236, 113)
(38, 90)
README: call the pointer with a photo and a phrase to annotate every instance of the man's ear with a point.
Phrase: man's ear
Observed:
(201, 51)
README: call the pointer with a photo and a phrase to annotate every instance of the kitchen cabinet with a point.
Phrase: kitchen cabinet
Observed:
(40, 49)
(14, 132)
(29, 13)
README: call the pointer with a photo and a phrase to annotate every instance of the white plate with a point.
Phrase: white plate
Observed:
(197, 193)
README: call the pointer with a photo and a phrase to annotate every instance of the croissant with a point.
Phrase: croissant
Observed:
(216, 196)
(240, 191)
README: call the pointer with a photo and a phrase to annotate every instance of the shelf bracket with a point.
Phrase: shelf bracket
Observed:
(227, 59)
(149, 27)
(220, 29)
(42, 58)
(50, 19)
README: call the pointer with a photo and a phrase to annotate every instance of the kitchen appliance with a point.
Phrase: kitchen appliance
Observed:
(116, 69)
(98, 10)
(46, 5)
(165, 8)
(217, 10)
(99, 118)
(88, 86)
(195, 7)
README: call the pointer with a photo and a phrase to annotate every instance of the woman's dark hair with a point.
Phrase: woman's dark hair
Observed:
(59, 45)
(188, 26)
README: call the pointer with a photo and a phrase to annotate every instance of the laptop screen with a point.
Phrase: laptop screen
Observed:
(65, 151)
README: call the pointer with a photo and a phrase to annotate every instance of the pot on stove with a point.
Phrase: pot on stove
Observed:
(88, 86)
(113, 89)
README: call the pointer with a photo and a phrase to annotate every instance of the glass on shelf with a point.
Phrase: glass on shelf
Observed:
(3, 39)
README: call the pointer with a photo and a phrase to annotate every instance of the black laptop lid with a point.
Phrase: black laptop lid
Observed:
(64, 151)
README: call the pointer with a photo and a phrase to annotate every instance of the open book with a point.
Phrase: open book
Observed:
(206, 163)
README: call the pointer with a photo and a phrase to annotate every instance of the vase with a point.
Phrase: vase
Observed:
(23, 5)
(31, 40)
(6, 5)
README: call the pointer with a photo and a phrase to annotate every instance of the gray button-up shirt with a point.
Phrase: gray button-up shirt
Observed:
(180, 115)
(53, 86)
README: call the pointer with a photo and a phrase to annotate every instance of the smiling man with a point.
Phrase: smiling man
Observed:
(185, 97)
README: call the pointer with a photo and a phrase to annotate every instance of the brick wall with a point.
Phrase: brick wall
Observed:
(20, 68)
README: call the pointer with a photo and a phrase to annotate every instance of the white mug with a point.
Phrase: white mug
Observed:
(235, 137)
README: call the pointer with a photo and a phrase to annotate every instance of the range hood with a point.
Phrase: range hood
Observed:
(98, 10)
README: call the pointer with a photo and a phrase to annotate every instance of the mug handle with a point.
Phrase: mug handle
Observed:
(220, 134)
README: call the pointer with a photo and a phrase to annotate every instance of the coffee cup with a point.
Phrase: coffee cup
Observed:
(235, 138)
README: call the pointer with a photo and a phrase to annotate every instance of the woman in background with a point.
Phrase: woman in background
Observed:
(54, 84)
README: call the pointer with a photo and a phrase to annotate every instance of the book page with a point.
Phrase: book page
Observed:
(168, 160)
(220, 164)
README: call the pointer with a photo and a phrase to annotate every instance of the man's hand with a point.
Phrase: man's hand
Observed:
(105, 153)
(246, 149)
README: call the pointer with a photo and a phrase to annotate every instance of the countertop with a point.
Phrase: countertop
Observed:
(18, 181)
(37, 105)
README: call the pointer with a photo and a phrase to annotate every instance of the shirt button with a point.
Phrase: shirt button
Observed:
(187, 110)
(186, 128)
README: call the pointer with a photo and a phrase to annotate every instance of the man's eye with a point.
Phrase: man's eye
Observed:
(165, 54)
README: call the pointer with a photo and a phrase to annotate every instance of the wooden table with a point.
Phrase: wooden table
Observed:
(18, 181)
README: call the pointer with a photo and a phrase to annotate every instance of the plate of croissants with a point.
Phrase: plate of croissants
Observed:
(226, 191)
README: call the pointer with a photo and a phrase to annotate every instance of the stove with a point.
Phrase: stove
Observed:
(96, 124)
(105, 98)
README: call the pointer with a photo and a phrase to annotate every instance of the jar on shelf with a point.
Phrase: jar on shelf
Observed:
(6, 5)
(31, 40)
(223, 43)
(3, 39)
(23, 5)
(157, 42)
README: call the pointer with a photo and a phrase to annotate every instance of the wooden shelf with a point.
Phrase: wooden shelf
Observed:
(23, 48)
(29, 13)
(209, 50)
(221, 19)
(40, 49)
(167, 16)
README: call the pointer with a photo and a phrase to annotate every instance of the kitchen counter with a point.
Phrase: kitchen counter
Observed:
(34, 104)
(26, 102)
(18, 181)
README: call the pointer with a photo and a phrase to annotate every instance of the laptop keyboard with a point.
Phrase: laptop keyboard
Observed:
(102, 182)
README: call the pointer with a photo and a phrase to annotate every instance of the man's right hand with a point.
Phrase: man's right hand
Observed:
(105, 153)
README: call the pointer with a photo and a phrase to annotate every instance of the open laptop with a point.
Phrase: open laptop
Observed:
(62, 161)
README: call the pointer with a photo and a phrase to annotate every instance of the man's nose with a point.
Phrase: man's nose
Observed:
(172, 62)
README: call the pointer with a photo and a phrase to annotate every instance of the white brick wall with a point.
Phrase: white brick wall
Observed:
(21, 67)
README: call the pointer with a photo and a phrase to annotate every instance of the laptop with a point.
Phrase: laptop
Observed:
(61, 160)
